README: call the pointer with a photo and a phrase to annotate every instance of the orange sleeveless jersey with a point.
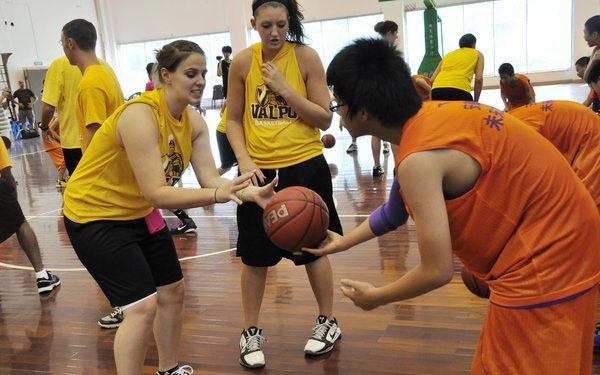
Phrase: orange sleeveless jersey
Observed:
(424, 94)
(575, 131)
(528, 227)
(516, 95)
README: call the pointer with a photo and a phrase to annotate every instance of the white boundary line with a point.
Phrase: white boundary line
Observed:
(172, 216)
(12, 266)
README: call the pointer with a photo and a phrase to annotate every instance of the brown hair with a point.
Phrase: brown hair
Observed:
(172, 54)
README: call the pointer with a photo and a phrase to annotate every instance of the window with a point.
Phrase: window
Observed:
(328, 37)
(514, 31)
(133, 58)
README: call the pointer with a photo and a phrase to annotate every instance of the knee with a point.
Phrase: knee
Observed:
(143, 311)
(171, 294)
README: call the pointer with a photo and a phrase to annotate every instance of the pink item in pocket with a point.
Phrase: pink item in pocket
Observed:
(155, 221)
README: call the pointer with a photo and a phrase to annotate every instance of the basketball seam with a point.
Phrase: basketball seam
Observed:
(301, 200)
(291, 217)
(312, 214)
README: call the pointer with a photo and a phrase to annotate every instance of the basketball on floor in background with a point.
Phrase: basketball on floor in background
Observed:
(328, 140)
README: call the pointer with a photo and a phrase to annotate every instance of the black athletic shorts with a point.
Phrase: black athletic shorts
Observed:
(253, 246)
(226, 153)
(11, 215)
(72, 158)
(451, 94)
(127, 262)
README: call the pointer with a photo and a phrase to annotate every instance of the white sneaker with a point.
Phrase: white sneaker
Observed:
(251, 354)
(324, 335)
(352, 148)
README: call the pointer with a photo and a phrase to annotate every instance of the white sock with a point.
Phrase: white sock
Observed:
(42, 274)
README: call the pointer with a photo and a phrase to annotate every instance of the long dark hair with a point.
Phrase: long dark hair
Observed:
(296, 30)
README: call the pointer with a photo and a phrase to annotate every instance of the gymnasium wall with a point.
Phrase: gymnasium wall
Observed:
(30, 29)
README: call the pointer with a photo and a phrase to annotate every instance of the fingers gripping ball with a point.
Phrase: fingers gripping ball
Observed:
(296, 217)
(328, 140)
(476, 286)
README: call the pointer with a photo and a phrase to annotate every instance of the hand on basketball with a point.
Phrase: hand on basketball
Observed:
(260, 195)
(273, 78)
(362, 294)
(227, 192)
(258, 178)
(330, 245)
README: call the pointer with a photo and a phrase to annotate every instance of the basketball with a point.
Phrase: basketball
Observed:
(296, 217)
(328, 140)
(476, 286)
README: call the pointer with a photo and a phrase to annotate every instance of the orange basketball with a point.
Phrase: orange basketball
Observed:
(475, 285)
(296, 217)
(328, 140)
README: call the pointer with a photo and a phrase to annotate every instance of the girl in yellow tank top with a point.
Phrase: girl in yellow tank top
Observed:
(130, 168)
(277, 102)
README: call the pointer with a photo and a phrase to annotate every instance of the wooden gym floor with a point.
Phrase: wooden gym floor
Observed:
(58, 334)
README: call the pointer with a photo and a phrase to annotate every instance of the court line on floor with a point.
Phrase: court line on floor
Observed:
(193, 217)
(24, 268)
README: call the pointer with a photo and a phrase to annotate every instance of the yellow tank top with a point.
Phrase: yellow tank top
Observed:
(104, 186)
(457, 69)
(276, 137)
(222, 128)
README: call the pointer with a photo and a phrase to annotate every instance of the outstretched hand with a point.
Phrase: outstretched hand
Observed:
(226, 193)
(362, 294)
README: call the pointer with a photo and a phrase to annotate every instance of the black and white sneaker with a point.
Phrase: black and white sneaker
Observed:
(386, 148)
(112, 320)
(187, 225)
(324, 335)
(251, 354)
(377, 171)
(180, 370)
(46, 285)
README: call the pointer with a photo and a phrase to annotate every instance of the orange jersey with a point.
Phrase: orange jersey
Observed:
(575, 131)
(424, 93)
(528, 226)
(517, 95)
(52, 143)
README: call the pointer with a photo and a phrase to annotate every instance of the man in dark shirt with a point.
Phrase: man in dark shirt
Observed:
(25, 99)
(223, 68)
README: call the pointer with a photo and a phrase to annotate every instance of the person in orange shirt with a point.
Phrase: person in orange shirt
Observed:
(575, 131)
(591, 34)
(592, 99)
(53, 148)
(423, 85)
(515, 89)
(481, 184)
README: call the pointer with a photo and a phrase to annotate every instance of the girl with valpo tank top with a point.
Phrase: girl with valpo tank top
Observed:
(276, 105)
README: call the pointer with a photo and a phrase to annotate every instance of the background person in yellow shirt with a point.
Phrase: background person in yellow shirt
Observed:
(99, 92)
(452, 78)
(13, 221)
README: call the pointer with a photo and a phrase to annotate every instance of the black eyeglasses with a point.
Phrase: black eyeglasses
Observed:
(334, 105)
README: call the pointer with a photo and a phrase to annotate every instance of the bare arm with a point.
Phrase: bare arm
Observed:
(220, 68)
(314, 109)
(235, 113)
(422, 84)
(91, 131)
(588, 102)
(137, 132)
(420, 175)
(504, 100)
(436, 72)
(479, 76)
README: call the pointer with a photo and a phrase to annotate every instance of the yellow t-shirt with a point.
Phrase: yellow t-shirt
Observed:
(98, 96)
(104, 186)
(60, 91)
(222, 128)
(457, 70)
(276, 137)
(4, 159)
